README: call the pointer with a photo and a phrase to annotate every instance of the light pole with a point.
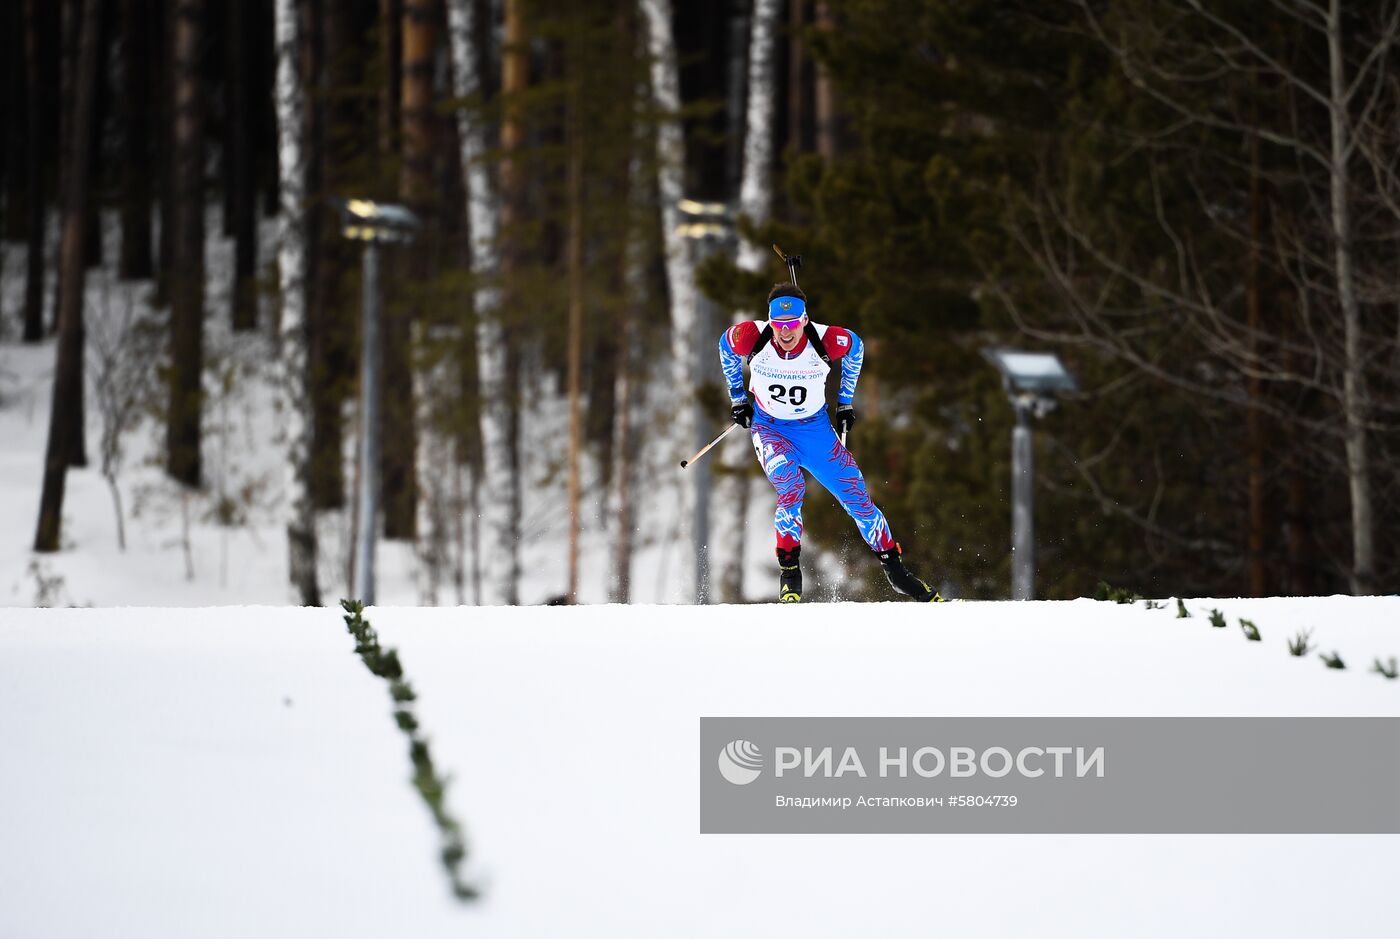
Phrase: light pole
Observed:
(1030, 380)
(706, 227)
(372, 223)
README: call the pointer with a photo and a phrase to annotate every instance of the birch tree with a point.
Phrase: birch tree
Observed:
(1339, 99)
(483, 222)
(680, 277)
(628, 387)
(574, 266)
(756, 181)
(755, 205)
(291, 266)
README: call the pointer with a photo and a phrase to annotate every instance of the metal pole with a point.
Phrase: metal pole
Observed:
(1022, 518)
(368, 495)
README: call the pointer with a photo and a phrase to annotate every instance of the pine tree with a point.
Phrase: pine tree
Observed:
(185, 409)
(67, 382)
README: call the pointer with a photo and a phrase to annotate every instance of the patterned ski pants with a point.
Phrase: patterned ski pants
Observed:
(786, 448)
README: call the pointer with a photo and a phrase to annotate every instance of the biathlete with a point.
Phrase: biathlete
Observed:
(789, 358)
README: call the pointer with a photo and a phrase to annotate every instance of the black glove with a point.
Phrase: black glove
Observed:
(845, 418)
(743, 413)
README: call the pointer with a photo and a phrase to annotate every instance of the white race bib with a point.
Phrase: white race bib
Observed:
(789, 389)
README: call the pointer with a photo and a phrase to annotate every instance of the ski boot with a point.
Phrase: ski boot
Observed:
(901, 580)
(789, 575)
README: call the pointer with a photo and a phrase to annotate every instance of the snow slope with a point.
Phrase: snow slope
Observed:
(236, 771)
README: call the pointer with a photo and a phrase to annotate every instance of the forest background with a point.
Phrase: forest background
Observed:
(1195, 205)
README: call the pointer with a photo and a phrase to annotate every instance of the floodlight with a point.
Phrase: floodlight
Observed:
(696, 207)
(1036, 372)
(367, 220)
(704, 219)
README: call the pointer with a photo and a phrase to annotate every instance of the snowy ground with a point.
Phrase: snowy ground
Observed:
(227, 772)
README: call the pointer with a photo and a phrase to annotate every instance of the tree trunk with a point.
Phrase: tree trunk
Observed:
(101, 102)
(398, 459)
(1300, 558)
(262, 74)
(92, 235)
(15, 103)
(1353, 374)
(624, 445)
(755, 204)
(242, 198)
(824, 96)
(391, 57)
(735, 73)
(1297, 512)
(680, 277)
(575, 276)
(11, 93)
(224, 39)
(628, 388)
(163, 63)
(756, 181)
(77, 425)
(135, 262)
(323, 328)
(67, 101)
(494, 402)
(797, 68)
(515, 79)
(309, 66)
(416, 102)
(1254, 418)
(34, 173)
(335, 257)
(187, 276)
(291, 250)
(67, 383)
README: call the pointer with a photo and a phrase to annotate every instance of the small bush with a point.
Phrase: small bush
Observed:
(1332, 661)
(1389, 671)
(1116, 594)
(1300, 644)
(1251, 632)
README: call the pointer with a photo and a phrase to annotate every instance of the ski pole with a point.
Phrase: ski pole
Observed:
(706, 448)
